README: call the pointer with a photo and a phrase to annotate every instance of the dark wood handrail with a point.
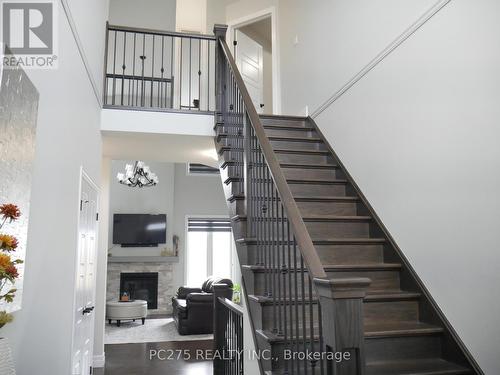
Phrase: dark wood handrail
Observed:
(231, 305)
(301, 234)
(159, 32)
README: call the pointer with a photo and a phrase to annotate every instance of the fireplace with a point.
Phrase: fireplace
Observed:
(141, 286)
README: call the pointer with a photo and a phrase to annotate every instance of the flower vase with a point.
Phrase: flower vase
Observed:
(6, 361)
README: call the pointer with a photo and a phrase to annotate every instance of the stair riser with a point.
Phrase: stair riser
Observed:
(350, 254)
(381, 280)
(393, 311)
(404, 348)
(260, 279)
(239, 228)
(328, 208)
(273, 132)
(338, 229)
(304, 159)
(233, 188)
(318, 190)
(287, 122)
(303, 173)
(295, 145)
(236, 207)
(266, 312)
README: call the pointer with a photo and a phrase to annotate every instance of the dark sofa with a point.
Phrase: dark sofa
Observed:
(193, 307)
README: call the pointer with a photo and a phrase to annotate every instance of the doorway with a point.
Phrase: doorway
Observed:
(255, 49)
(84, 305)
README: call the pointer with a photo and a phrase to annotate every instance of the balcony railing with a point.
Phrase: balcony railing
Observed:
(159, 70)
(228, 334)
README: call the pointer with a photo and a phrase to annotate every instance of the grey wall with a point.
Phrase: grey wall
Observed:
(194, 195)
(150, 14)
(157, 199)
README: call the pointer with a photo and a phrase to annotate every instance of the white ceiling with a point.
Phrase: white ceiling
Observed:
(159, 147)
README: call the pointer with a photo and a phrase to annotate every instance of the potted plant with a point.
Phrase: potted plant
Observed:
(237, 293)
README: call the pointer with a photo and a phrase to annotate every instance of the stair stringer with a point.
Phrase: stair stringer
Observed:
(238, 223)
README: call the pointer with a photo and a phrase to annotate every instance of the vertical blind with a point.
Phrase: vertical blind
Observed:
(209, 225)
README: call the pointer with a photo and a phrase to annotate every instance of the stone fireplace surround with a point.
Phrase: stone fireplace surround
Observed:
(166, 289)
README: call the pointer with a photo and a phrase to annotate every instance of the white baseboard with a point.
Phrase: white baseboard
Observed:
(99, 360)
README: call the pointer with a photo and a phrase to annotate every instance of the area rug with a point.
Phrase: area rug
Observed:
(154, 330)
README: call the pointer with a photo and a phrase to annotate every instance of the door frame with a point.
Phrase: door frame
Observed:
(186, 220)
(254, 17)
(82, 176)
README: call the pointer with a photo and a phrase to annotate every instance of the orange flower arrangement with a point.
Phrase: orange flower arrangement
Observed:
(8, 270)
(10, 211)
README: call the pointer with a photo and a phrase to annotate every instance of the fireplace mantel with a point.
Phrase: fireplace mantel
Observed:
(142, 259)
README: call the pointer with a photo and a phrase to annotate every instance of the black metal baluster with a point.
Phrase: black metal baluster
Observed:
(114, 73)
(311, 324)
(123, 64)
(143, 58)
(287, 249)
(275, 268)
(133, 72)
(180, 75)
(199, 74)
(190, 71)
(160, 83)
(303, 301)
(296, 287)
(321, 342)
(172, 72)
(152, 71)
(284, 271)
(208, 76)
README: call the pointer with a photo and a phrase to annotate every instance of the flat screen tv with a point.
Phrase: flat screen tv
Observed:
(142, 230)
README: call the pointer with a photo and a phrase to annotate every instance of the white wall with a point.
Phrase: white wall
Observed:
(419, 135)
(102, 264)
(192, 16)
(157, 199)
(67, 137)
(148, 14)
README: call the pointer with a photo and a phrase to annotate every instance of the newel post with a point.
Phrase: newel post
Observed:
(219, 290)
(342, 319)
(220, 67)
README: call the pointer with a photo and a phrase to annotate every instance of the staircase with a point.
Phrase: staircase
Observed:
(320, 271)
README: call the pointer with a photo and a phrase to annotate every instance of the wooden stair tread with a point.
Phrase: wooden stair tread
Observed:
(337, 267)
(321, 241)
(309, 166)
(374, 331)
(305, 198)
(370, 297)
(276, 138)
(391, 329)
(431, 366)
(300, 151)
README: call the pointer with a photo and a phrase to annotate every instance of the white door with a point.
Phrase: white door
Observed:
(83, 330)
(250, 62)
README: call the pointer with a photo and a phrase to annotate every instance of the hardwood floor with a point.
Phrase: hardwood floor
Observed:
(134, 359)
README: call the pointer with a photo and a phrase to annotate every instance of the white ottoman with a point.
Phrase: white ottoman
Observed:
(137, 309)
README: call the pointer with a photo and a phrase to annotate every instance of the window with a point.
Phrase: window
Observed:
(201, 169)
(209, 249)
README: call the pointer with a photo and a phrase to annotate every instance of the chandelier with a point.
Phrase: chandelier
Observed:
(137, 175)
